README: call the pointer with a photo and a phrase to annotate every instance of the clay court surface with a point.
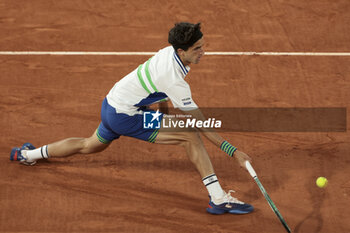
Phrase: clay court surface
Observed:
(135, 186)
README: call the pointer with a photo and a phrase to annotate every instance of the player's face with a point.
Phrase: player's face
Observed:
(193, 53)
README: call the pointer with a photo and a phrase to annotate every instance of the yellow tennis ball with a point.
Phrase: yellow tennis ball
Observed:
(321, 182)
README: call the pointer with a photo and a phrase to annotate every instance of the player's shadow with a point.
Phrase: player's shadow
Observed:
(313, 222)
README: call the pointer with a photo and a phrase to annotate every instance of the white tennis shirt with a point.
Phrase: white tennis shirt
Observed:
(162, 76)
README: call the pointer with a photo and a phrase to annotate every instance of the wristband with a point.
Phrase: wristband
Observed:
(228, 148)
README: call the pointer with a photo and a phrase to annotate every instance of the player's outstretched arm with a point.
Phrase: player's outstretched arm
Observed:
(208, 133)
(217, 140)
(242, 158)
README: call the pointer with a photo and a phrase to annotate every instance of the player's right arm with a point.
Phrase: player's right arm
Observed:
(215, 138)
(180, 94)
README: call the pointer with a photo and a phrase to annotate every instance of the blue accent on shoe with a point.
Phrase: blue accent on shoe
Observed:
(16, 154)
(28, 146)
(232, 208)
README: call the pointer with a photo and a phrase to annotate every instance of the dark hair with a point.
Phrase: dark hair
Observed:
(183, 35)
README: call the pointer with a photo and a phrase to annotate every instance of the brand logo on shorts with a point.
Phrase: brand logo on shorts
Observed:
(152, 120)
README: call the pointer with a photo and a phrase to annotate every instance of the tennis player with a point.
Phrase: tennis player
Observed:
(159, 79)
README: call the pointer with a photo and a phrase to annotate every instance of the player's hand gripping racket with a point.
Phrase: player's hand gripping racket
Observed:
(267, 197)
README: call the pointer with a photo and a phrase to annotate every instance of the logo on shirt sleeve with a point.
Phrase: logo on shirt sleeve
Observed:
(187, 101)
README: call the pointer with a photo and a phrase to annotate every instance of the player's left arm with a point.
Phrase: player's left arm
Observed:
(219, 141)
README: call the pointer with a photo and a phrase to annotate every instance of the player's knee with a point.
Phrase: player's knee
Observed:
(91, 146)
(191, 138)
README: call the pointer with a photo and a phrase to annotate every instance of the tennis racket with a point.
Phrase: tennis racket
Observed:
(267, 197)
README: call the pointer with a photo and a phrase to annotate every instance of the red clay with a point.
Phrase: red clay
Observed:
(135, 186)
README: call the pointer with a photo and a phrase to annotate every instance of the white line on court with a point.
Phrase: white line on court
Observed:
(70, 53)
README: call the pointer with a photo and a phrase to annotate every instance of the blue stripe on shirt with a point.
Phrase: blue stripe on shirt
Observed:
(151, 98)
(178, 60)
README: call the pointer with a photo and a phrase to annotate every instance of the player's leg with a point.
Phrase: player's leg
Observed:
(188, 138)
(97, 142)
(191, 141)
(220, 201)
(71, 146)
(193, 144)
(28, 154)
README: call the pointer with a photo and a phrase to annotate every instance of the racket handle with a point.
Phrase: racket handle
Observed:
(250, 169)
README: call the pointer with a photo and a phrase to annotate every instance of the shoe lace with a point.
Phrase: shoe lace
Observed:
(228, 198)
(24, 154)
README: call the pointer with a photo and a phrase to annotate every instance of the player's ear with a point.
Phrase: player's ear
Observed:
(180, 51)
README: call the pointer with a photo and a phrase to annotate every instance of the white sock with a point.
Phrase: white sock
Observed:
(39, 153)
(213, 186)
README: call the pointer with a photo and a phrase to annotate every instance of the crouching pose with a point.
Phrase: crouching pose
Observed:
(159, 79)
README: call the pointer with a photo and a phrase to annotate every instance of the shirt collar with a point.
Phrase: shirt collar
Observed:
(184, 68)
